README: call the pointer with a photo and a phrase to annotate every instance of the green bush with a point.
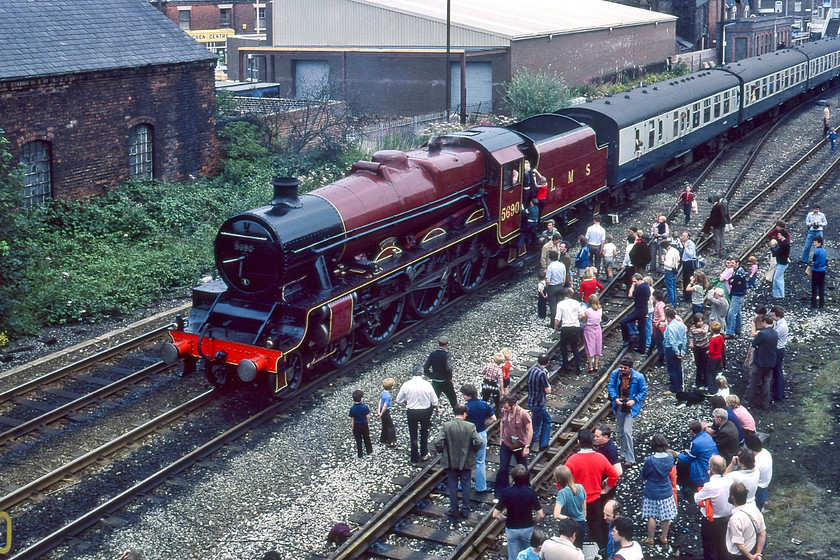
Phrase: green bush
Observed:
(533, 92)
(66, 261)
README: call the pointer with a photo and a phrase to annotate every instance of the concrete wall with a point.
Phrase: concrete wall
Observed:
(596, 53)
(86, 118)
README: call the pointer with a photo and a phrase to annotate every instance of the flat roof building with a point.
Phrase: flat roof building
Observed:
(390, 54)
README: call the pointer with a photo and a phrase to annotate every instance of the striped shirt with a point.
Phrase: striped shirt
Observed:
(537, 382)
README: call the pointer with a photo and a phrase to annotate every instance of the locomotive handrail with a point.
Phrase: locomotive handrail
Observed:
(389, 222)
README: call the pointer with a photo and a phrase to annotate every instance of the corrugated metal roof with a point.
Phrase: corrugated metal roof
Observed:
(51, 37)
(526, 18)
(488, 23)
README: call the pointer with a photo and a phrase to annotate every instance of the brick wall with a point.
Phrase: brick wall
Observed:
(206, 16)
(598, 53)
(87, 118)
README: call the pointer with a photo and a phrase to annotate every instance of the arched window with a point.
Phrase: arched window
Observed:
(140, 152)
(37, 180)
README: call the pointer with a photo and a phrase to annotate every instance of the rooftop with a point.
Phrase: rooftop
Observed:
(526, 18)
(53, 37)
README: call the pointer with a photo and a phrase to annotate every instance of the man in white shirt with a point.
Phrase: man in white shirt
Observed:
(555, 282)
(567, 319)
(562, 547)
(777, 392)
(746, 532)
(764, 464)
(746, 473)
(420, 399)
(671, 262)
(714, 496)
(689, 254)
(595, 238)
(815, 221)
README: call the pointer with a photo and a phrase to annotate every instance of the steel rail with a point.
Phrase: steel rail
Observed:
(64, 371)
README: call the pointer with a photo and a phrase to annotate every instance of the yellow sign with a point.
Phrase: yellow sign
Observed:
(211, 35)
(8, 546)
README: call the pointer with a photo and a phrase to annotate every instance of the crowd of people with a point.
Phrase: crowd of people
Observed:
(725, 470)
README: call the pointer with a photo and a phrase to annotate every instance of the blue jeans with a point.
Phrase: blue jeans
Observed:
(541, 421)
(779, 281)
(675, 374)
(671, 287)
(809, 241)
(480, 464)
(733, 318)
(518, 540)
(760, 497)
(649, 332)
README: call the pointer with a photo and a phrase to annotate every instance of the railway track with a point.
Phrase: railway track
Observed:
(412, 525)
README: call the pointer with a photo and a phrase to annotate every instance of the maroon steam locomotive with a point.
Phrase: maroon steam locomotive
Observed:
(307, 278)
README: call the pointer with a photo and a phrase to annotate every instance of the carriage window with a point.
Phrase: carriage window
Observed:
(651, 132)
(726, 103)
(695, 115)
(660, 128)
(511, 174)
(707, 110)
(764, 87)
(717, 106)
(676, 118)
(683, 119)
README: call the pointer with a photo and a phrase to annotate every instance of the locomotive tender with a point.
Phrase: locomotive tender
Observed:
(309, 277)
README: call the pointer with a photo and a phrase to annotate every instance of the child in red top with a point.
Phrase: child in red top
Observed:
(506, 367)
(590, 285)
(717, 347)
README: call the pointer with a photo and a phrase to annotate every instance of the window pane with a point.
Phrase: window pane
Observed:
(184, 19)
(224, 17)
(140, 152)
(37, 181)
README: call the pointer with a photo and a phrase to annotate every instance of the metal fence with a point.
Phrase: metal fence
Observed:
(402, 132)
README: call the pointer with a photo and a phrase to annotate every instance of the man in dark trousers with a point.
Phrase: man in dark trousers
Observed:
(764, 362)
(715, 224)
(538, 388)
(458, 441)
(438, 369)
(641, 294)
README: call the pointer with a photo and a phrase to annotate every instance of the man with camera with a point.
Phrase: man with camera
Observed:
(815, 221)
(627, 388)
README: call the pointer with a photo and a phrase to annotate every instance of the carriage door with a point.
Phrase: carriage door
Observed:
(510, 199)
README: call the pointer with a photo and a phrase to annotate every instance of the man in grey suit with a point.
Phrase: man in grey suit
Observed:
(458, 441)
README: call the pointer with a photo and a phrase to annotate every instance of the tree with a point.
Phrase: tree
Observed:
(533, 92)
(13, 256)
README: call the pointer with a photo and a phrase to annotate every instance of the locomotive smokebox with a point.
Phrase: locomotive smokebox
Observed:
(286, 192)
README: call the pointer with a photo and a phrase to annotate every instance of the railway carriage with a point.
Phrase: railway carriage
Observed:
(823, 60)
(768, 81)
(658, 126)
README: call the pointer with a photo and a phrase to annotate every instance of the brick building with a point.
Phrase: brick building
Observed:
(389, 56)
(211, 22)
(94, 92)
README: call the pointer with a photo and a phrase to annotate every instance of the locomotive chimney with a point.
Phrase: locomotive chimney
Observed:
(286, 192)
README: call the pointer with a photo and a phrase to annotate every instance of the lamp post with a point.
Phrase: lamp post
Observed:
(723, 44)
(448, 69)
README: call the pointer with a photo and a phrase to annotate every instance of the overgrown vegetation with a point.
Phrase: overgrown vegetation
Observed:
(594, 89)
(67, 261)
(532, 92)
